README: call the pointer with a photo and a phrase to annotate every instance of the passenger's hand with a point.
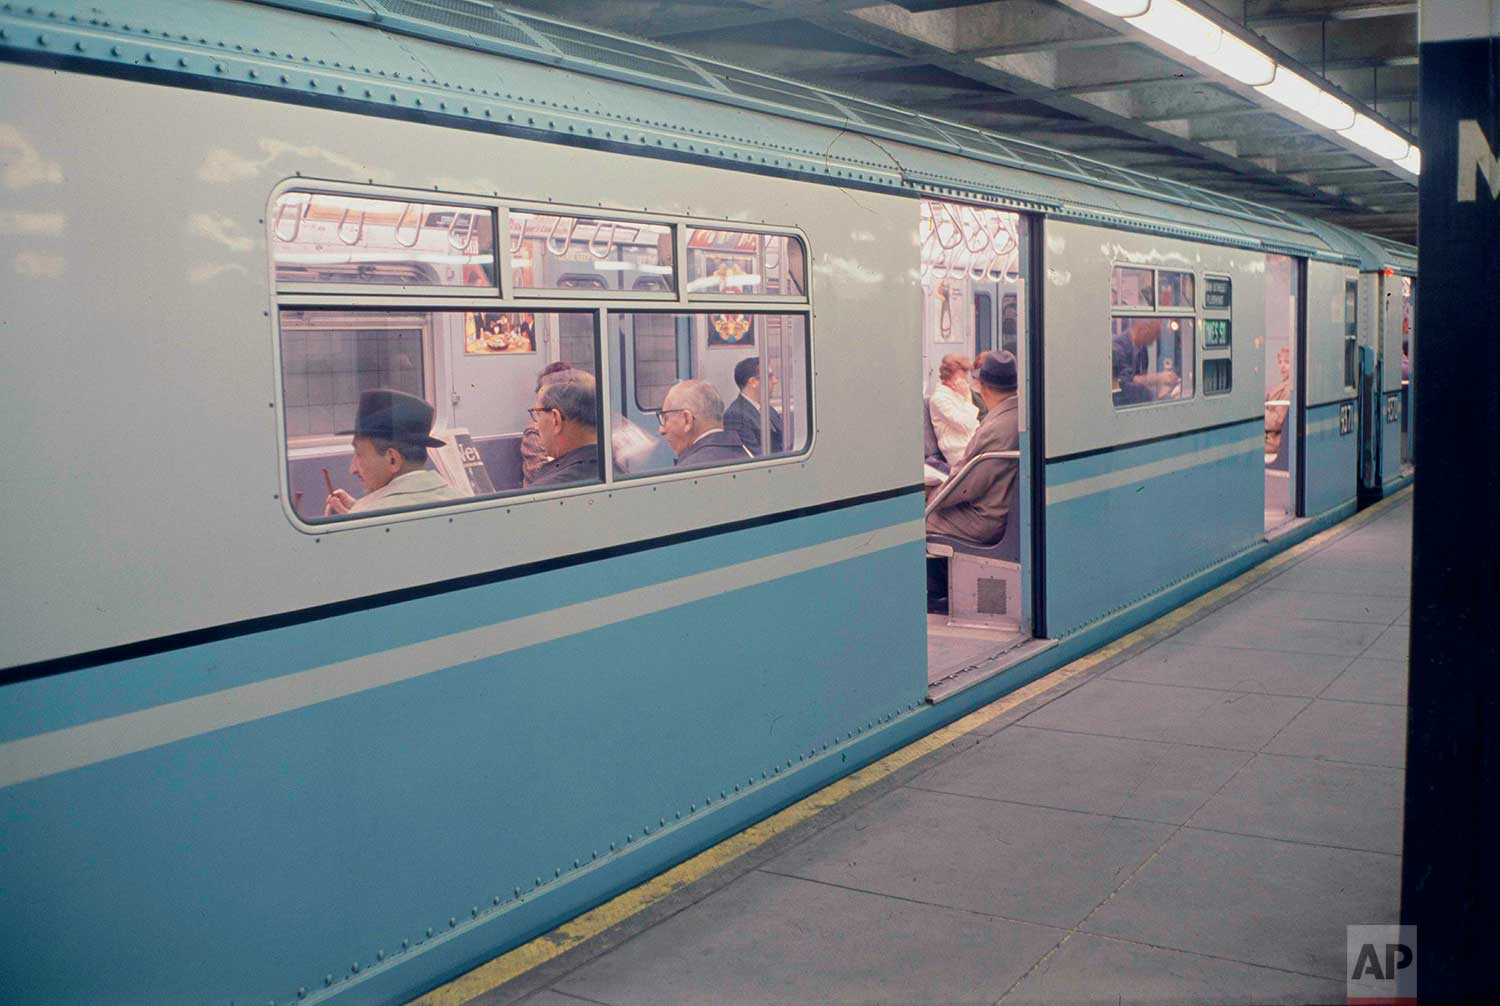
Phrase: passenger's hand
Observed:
(339, 502)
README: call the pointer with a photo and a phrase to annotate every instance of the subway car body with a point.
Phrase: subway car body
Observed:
(253, 749)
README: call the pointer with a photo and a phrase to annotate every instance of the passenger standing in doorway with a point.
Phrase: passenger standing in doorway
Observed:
(954, 417)
(392, 431)
(533, 453)
(742, 418)
(1276, 414)
(566, 415)
(978, 510)
(692, 421)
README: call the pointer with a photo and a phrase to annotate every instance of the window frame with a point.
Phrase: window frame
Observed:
(1195, 313)
(502, 296)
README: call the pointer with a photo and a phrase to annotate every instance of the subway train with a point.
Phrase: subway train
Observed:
(259, 746)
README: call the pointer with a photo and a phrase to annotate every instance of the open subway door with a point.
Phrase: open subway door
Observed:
(974, 265)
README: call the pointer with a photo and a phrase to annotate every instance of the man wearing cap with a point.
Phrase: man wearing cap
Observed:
(979, 508)
(392, 431)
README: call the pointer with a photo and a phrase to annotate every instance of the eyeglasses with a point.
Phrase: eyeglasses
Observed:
(533, 413)
(662, 414)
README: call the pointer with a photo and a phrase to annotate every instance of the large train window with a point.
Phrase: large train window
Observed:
(493, 384)
(1151, 360)
(745, 264)
(321, 238)
(550, 251)
(711, 388)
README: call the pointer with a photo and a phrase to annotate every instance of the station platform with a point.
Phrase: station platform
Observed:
(1194, 818)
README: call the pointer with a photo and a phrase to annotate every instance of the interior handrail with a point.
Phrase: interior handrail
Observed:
(416, 233)
(957, 477)
(567, 242)
(281, 211)
(609, 245)
(359, 229)
(472, 220)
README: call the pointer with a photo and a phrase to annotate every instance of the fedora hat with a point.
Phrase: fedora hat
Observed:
(387, 414)
(999, 371)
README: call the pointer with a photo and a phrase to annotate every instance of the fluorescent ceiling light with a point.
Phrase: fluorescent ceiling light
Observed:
(1412, 161)
(1308, 99)
(1242, 61)
(1180, 27)
(1121, 8)
(1374, 137)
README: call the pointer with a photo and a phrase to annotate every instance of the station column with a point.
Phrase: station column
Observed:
(1450, 886)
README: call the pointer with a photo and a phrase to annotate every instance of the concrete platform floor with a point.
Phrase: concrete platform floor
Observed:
(1195, 823)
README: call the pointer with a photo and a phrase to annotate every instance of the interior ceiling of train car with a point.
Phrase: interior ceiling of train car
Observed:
(1114, 80)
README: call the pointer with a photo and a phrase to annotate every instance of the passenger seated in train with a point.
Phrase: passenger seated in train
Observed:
(954, 417)
(567, 418)
(533, 454)
(742, 417)
(392, 431)
(1132, 342)
(692, 421)
(974, 395)
(1276, 413)
(1124, 390)
(977, 511)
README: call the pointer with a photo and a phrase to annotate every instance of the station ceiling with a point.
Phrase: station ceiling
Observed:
(1058, 72)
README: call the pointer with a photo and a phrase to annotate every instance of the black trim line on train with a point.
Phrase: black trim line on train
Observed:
(1113, 448)
(265, 623)
(1299, 406)
(1036, 359)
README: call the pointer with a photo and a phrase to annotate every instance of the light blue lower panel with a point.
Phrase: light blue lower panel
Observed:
(1127, 524)
(243, 864)
(1332, 457)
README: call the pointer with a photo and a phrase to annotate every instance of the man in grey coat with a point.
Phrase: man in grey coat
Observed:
(978, 510)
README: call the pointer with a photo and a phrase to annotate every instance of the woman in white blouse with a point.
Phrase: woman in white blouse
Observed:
(954, 417)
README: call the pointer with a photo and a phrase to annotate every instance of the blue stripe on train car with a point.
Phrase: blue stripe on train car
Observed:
(1332, 455)
(360, 822)
(1127, 523)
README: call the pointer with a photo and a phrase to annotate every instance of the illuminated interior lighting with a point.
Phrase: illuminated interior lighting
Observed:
(1180, 27)
(1121, 8)
(1242, 61)
(1308, 99)
(1376, 138)
(1412, 161)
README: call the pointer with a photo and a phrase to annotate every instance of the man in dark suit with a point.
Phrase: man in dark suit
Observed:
(692, 421)
(743, 415)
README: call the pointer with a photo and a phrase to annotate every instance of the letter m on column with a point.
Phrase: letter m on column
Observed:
(1475, 158)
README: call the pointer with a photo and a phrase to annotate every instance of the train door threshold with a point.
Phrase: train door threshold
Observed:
(959, 658)
(1283, 529)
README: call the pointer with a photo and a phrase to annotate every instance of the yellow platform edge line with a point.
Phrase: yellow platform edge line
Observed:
(511, 965)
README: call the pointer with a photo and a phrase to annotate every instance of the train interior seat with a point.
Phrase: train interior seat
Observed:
(984, 581)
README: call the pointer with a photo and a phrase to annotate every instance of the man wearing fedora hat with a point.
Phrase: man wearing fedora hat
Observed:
(979, 509)
(392, 431)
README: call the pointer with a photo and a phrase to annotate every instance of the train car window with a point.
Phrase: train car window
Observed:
(1217, 376)
(323, 238)
(712, 389)
(1151, 360)
(390, 409)
(745, 264)
(1131, 287)
(1351, 334)
(1175, 290)
(554, 252)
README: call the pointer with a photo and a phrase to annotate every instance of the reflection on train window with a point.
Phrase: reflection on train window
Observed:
(393, 409)
(323, 238)
(745, 264)
(710, 389)
(1174, 289)
(1351, 333)
(1151, 360)
(1131, 287)
(554, 252)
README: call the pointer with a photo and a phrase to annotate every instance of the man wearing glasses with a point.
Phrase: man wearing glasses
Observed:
(567, 419)
(692, 421)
